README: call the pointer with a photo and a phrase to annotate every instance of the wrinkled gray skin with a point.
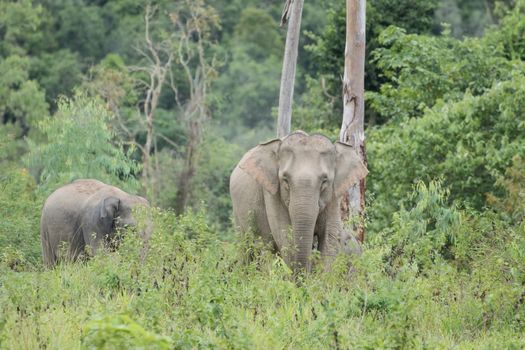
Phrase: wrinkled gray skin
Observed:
(85, 213)
(289, 190)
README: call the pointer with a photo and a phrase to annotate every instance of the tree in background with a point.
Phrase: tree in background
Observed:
(198, 63)
(248, 85)
(80, 144)
(327, 51)
(22, 98)
(45, 53)
(292, 12)
(170, 92)
(158, 57)
(352, 128)
(460, 120)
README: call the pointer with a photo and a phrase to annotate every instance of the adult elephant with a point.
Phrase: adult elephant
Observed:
(296, 182)
(85, 213)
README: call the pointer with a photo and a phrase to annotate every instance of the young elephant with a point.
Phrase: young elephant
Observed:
(85, 213)
(296, 183)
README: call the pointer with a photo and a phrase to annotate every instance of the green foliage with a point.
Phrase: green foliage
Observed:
(196, 291)
(510, 34)
(12, 146)
(57, 72)
(250, 84)
(252, 31)
(468, 144)
(423, 235)
(251, 90)
(327, 49)
(21, 99)
(121, 332)
(511, 202)
(80, 27)
(215, 163)
(421, 70)
(20, 212)
(80, 144)
(465, 17)
(455, 111)
(21, 23)
(315, 103)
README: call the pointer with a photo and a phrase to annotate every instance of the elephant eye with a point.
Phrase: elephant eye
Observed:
(285, 181)
(324, 182)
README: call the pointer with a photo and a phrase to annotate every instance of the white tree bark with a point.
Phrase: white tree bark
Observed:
(294, 9)
(352, 129)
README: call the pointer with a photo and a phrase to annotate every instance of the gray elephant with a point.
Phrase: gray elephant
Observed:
(289, 190)
(85, 213)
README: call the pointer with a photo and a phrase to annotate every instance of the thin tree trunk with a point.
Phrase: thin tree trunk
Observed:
(352, 129)
(295, 9)
(160, 63)
(185, 185)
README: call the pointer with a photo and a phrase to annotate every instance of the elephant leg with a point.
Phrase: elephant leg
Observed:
(248, 206)
(280, 226)
(76, 245)
(48, 252)
(57, 241)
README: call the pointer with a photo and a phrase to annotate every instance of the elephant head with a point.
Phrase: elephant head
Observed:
(307, 174)
(111, 211)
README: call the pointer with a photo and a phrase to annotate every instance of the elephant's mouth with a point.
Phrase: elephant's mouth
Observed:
(114, 239)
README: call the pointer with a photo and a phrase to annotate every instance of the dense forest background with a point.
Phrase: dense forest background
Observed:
(162, 98)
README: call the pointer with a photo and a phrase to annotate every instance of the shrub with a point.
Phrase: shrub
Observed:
(121, 332)
(195, 291)
(468, 144)
(80, 144)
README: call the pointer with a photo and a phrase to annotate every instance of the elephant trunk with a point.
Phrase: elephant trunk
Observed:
(304, 209)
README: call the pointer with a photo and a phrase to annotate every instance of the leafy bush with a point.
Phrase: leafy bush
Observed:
(424, 234)
(468, 144)
(80, 144)
(121, 332)
(196, 291)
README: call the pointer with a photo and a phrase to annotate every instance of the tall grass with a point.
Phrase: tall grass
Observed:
(197, 291)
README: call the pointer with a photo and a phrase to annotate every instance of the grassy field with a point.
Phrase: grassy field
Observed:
(197, 290)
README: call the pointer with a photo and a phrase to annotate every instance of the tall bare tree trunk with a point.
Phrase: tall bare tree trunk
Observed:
(352, 129)
(292, 9)
(160, 63)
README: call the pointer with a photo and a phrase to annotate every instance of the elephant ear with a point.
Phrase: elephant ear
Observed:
(349, 168)
(261, 163)
(107, 211)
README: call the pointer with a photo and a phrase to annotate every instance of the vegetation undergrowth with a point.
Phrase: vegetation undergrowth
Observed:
(437, 278)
